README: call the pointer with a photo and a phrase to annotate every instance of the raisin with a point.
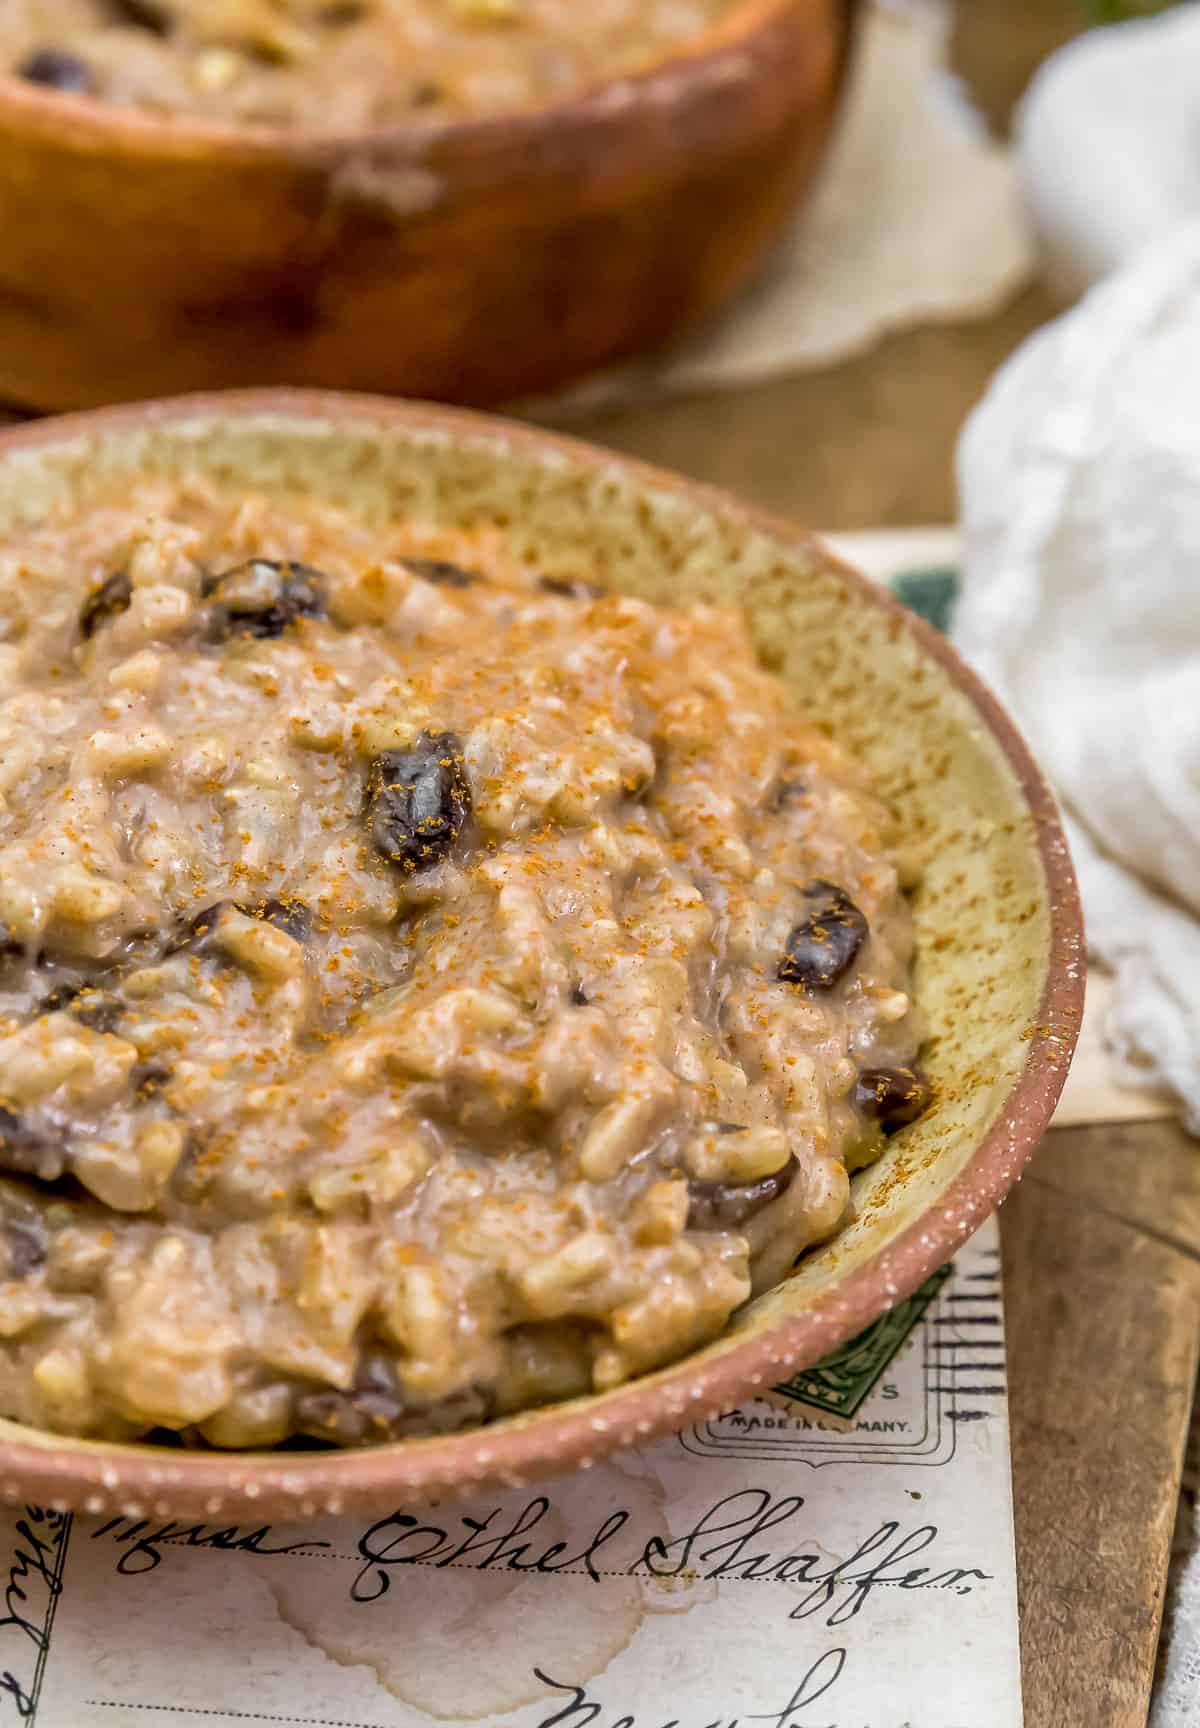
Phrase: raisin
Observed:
(291, 916)
(192, 1177)
(579, 996)
(56, 69)
(441, 573)
(59, 999)
(371, 1410)
(418, 800)
(570, 590)
(788, 793)
(178, 1439)
(25, 1151)
(99, 1009)
(727, 1205)
(150, 1077)
(64, 984)
(25, 1242)
(146, 14)
(197, 932)
(263, 597)
(823, 947)
(105, 603)
(893, 1097)
(91, 1006)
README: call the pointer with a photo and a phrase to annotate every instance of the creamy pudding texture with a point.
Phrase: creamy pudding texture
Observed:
(430, 987)
(341, 64)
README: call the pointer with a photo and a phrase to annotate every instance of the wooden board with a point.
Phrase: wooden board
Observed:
(1102, 1283)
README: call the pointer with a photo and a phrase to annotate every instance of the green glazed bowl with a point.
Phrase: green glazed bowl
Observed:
(1000, 970)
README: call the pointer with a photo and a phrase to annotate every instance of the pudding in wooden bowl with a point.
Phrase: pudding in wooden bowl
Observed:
(472, 200)
(341, 65)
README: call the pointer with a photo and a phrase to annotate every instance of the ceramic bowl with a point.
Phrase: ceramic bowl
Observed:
(472, 260)
(1000, 971)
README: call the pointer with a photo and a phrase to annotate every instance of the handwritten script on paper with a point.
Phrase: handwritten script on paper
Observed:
(34, 1582)
(723, 1543)
(836, 1593)
(762, 1570)
(581, 1710)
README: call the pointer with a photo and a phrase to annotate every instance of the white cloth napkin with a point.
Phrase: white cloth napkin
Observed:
(1079, 479)
(1079, 476)
(1107, 143)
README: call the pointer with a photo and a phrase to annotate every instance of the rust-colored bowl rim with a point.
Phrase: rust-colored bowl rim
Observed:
(98, 1476)
(724, 53)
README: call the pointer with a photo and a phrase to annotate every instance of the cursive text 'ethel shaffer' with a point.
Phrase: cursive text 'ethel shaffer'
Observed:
(742, 1536)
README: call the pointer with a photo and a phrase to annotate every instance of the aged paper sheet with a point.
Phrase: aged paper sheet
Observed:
(781, 1565)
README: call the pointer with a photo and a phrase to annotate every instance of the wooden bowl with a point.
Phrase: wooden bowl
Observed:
(1000, 971)
(472, 260)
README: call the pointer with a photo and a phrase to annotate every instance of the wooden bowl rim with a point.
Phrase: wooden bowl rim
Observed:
(722, 54)
(100, 1476)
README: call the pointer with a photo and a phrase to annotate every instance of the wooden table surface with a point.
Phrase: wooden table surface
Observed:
(1102, 1239)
